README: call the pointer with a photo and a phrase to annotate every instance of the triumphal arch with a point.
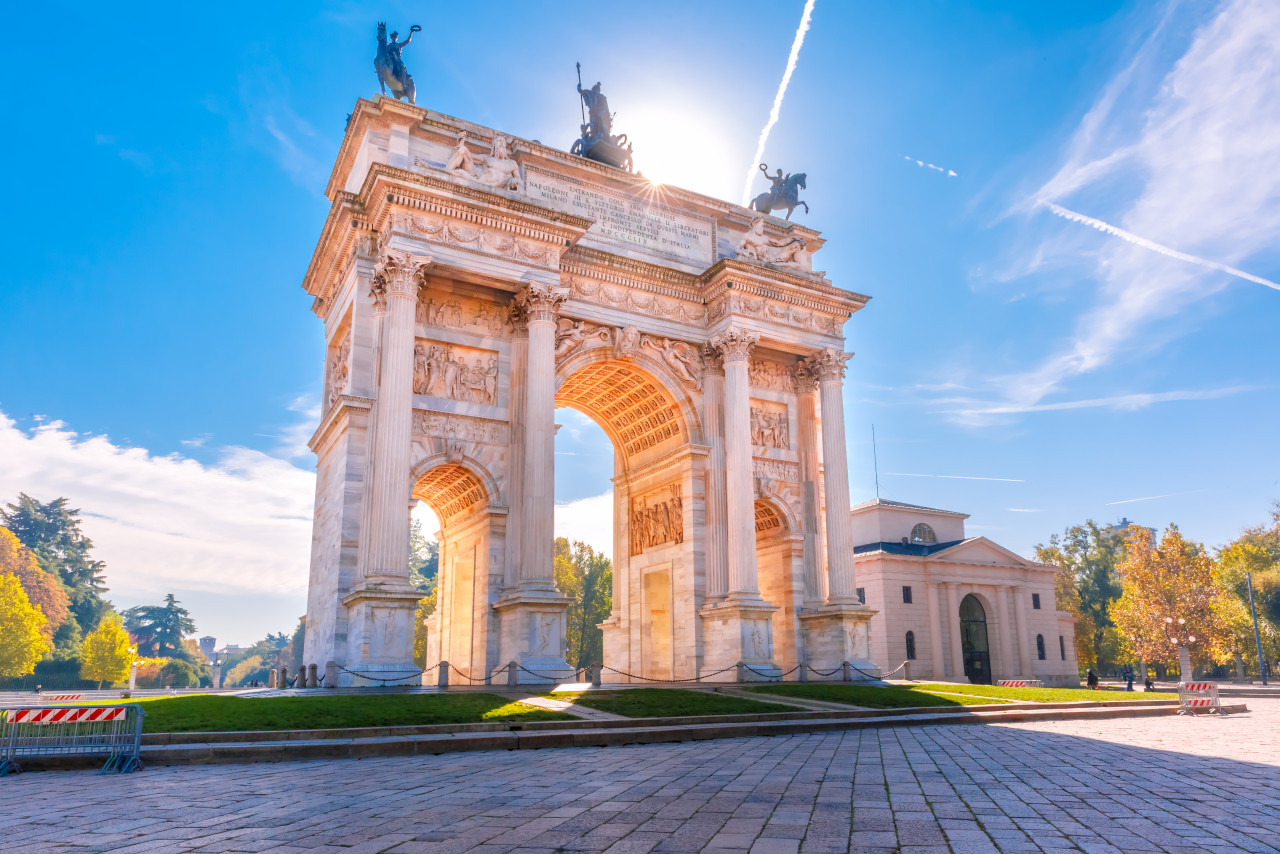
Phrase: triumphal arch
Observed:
(470, 284)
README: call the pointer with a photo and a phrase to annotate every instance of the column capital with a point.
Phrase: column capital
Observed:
(734, 345)
(828, 365)
(540, 302)
(398, 273)
(712, 363)
(806, 379)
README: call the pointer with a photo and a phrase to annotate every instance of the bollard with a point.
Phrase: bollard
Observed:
(284, 677)
(273, 678)
(331, 674)
(846, 671)
(312, 682)
(804, 673)
(906, 670)
(595, 675)
(442, 676)
(513, 674)
(742, 672)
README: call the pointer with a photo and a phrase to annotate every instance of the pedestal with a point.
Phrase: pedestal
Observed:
(736, 632)
(532, 634)
(835, 634)
(380, 633)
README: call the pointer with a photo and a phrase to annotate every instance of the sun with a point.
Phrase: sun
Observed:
(676, 145)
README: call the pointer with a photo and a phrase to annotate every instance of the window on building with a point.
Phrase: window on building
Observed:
(862, 595)
(1062, 647)
(1035, 601)
(1040, 647)
(922, 533)
(906, 594)
(911, 646)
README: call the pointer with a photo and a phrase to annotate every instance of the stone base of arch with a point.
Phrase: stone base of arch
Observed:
(736, 633)
(380, 634)
(834, 634)
(531, 634)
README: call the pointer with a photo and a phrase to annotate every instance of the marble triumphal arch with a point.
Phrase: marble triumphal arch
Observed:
(469, 285)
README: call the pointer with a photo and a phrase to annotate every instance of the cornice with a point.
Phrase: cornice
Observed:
(814, 293)
(629, 272)
(342, 408)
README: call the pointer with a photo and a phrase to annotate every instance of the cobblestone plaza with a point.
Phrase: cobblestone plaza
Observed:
(1168, 784)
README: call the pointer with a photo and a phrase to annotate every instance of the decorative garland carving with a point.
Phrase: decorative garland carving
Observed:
(483, 240)
(774, 312)
(630, 299)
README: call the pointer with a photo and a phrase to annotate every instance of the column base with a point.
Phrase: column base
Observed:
(532, 634)
(380, 634)
(837, 633)
(617, 649)
(738, 631)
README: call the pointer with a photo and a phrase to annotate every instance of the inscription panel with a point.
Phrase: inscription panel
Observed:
(628, 221)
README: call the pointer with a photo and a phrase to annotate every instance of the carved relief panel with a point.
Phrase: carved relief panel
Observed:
(769, 425)
(467, 374)
(339, 369)
(657, 518)
(437, 308)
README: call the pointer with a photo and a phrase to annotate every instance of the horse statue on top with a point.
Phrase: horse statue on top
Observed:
(785, 193)
(389, 67)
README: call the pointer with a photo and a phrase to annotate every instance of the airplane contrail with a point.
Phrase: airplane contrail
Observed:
(1107, 228)
(777, 99)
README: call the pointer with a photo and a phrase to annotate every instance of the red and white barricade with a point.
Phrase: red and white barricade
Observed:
(113, 732)
(1194, 697)
(61, 699)
(1020, 683)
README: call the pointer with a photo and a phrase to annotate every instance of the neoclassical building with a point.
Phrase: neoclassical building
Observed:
(470, 284)
(958, 608)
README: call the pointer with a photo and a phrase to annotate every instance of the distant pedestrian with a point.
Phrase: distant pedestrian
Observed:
(1149, 684)
(1128, 677)
(1091, 679)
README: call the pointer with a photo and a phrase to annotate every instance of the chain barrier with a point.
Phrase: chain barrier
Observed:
(552, 676)
(470, 681)
(880, 676)
(667, 681)
(383, 682)
(825, 672)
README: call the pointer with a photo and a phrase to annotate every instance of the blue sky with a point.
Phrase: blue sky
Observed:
(166, 176)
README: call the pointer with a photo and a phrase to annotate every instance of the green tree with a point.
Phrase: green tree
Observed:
(426, 607)
(424, 559)
(107, 652)
(1256, 553)
(246, 671)
(52, 532)
(22, 625)
(179, 674)
(586, 577)
(297, 645)
(159, 629)
(1089, 554)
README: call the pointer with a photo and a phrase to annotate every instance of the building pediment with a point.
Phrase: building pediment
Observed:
(980, 550)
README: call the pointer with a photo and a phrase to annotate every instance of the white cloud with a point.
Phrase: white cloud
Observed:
(954, 477)
(981, 413)
(1180, 149)
(950, 173)
(240, 526)
(589, 520)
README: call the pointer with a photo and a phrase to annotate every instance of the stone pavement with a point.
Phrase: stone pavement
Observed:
(1163, 784)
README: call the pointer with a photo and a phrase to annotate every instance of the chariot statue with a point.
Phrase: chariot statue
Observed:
(389, 66)
(598, 142)
(784, 192)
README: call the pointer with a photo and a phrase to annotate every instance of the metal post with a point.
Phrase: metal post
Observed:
(1257, 638)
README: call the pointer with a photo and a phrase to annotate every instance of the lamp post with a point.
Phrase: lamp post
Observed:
(1182, 642)
(1257, 638)
(217, 673)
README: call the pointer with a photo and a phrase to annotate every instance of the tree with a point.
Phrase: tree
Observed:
(586, 577)
(247, 670)
(1256, 553)
(426, 607)
(159, 629)
(107, 652)
(424, 559)
(1172, 581)
(179, 674)
(22, 641)
(43, 589)
(52, 532)
(297, 645)
(1089, 554)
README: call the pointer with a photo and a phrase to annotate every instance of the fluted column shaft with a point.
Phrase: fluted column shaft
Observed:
(815, 582)
(735, 350)
(935, 630)
(540, 305)
(515, 529)
(717, 539)
(953, 621)
(828, 366)
(1006, 635)
(386, 538)
(1024, 632)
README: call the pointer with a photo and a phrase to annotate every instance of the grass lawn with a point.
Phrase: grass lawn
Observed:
(1042, 695)
(667, 703)
(891, 697)
(213, 713)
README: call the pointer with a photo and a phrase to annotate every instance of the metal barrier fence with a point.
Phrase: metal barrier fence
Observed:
(51, 731)
(1199, 695)
(1020, 683)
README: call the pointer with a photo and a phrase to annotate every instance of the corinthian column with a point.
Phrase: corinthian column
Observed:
(385, 551)
(734, 346)
(713, 412)
(828, 366)
(540, 305)
(815, 587)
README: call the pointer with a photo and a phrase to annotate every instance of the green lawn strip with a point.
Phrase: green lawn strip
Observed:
(870, 696)
(1039, 695)
(212, 713)
(667, 703)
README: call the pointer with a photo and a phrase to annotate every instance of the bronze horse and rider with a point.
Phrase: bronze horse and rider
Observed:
(389, 66)
(785, 193)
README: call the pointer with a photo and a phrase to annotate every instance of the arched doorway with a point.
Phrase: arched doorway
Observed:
(973, 641)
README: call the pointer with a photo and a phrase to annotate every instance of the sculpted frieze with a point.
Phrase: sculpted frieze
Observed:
(573, 334)
(458, 373)
(769, 427)
(764, 373)
(455, 312)
(435, 229)
(657, 519)
(776, 470)
(775, 312)
(464, 427)
(788, 253)
(339, 370)
(631, 299)
(499, 170)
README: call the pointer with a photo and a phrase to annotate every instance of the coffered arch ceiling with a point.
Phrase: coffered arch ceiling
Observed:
(449, 489)
(640, 414)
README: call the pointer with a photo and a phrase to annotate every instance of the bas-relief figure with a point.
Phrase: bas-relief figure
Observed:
(769, 428)
(767, 374)
(784, 192)
(683, 359)
(759, 247)
(437, 373)
(574, 332)
(460, 313)
(656, 523)
(339, 370)
(389, 65)
(499, 170)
